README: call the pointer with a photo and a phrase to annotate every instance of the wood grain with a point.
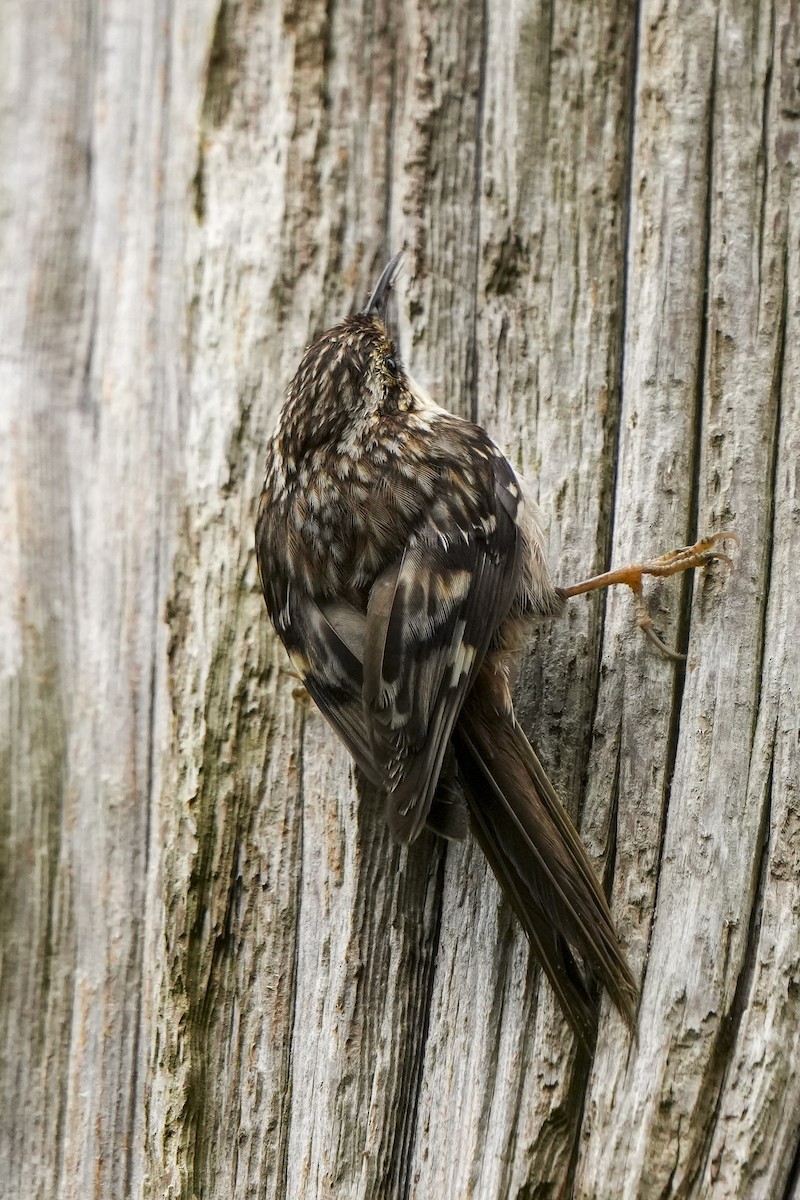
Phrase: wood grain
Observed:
(218, 976)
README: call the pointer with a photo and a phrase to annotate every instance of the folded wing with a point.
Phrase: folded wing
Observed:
(430, 620)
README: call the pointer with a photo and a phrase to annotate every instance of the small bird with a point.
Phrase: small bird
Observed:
(402, 560)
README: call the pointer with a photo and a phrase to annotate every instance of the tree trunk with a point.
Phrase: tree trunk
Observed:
(220, 979)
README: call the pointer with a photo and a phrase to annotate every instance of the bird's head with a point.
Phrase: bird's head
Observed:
(348, 379)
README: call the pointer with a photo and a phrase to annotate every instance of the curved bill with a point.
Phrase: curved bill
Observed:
(380, 293)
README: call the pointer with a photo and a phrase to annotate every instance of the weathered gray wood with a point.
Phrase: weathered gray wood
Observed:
(713, 877)
(218, 976)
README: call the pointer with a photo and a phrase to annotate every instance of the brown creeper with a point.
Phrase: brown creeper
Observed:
(401, 558)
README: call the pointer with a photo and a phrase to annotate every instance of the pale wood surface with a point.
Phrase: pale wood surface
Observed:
(218, 977)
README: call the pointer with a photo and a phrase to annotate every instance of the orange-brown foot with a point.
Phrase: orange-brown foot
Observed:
(706, 551)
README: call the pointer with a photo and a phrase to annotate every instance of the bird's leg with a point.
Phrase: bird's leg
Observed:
(699, 555)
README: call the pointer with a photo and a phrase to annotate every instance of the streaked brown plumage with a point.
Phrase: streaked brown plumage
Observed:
(401, 559)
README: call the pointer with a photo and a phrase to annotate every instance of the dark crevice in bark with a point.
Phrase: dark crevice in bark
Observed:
(207, 987)
(576, 1103)
(221, 72)
(307, 24)
(139, 935)
(149, 792)
(548, 25)
(684, 617)
(578, 1092)
(62, 1088)
(139, 932)
(533, 977)
(480, 112)
(742, 996)
(775, 438)
(45, 711)
(504, 965)
(672, 733)
(216, 101)
(608, 500)
(611, 836)
(763, 148)
(286, 1084)
(580, 1082)
(605, 527)
(391, 134)
(710, 1096)
(604, 550)
(215, 1000)
(687, 579)
(792, 1190)
(403, 1156)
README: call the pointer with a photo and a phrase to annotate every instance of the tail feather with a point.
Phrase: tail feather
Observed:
(539, 861)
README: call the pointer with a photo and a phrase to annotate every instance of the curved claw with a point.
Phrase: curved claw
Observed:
(718, 556)
(645, 622)
(652, 637)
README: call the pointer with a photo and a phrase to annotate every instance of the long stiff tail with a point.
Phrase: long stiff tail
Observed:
(538, 858)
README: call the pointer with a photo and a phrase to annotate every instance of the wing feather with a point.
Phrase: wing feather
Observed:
(430, 621)
(325, 642)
